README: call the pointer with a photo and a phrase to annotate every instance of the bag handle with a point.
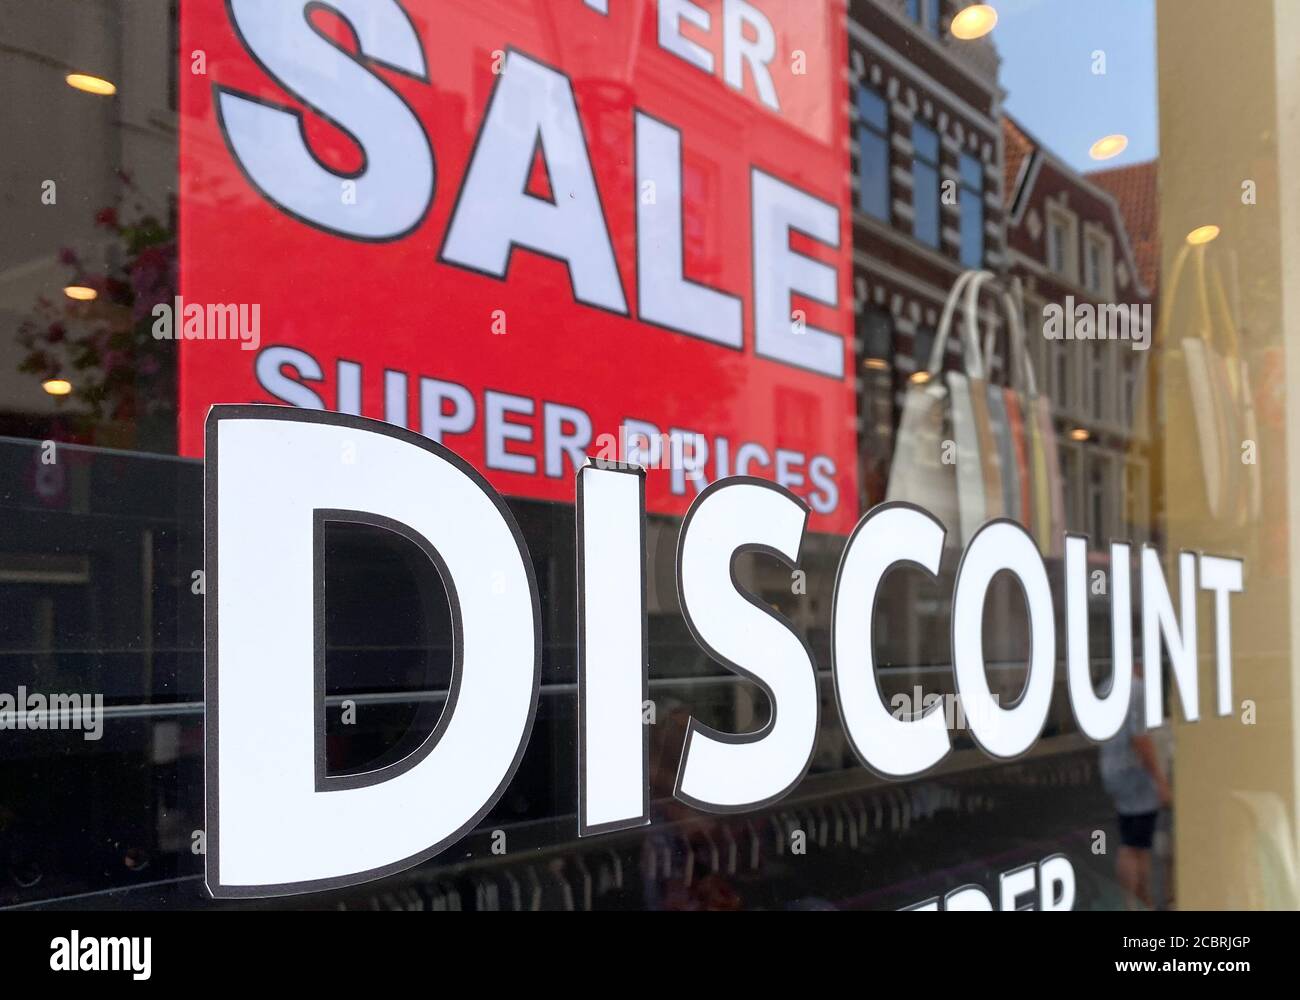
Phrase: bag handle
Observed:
(969, 334)
(1169, 300)
(1012, 301)
(1232, 337)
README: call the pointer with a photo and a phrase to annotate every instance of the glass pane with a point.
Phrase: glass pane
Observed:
(427, 265)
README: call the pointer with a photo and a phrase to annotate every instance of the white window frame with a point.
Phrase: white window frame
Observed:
(1058, 215)
(1101, 284)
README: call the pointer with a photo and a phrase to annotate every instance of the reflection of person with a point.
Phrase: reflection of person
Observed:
(1135, 780)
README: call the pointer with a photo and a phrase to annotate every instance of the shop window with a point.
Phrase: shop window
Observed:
(925, 184)
(873, 154)
(971, 203)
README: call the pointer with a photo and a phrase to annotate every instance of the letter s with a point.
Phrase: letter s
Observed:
(394, 188)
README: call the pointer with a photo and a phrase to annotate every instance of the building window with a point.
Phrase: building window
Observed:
(1056, 237)
(1128, 397)
(1061, 394)
(1136, 504)
(1076, 494)
(1097, 382)
(932, 8)
(971, 203)
(926, 14)
(873, 154)
(1062, 242)
(922, 346)
(1098, 490)
(925, 184)
(877, 339)
(1097, 264)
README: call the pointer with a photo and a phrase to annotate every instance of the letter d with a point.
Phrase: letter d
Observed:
(276, 824)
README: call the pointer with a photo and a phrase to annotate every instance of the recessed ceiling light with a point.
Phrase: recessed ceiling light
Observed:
(1108, 146)
(91, 84)
(1202, 234)
(1079, 434)
(81, 293)
(875, 364)
(920, 378)
(57, 386)
(974, 21)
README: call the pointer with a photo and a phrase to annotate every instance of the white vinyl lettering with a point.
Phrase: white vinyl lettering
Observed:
(612, 667)
(1056, 884)
(671, 15)
(1223, 577)
(724, 772)
(664, 295)
(887, 537)
(779, 271)
(1159, 622)
(738, 49)
(392, 193)
(271, 469)
(270, 376)
(533, 107)
(1099, 717)
(436, 419)
(999, 546)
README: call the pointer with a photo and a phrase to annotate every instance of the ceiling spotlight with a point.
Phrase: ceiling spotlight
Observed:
(1202, 235)
(1108, 147)
(80, 293)
(1079, 434)
(57, 386)
(920, 378)
(91, 84)
(974, 21)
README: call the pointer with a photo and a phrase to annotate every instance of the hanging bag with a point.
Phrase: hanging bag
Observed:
(946, 459)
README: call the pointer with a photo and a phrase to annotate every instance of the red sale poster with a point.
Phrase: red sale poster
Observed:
(533, 230)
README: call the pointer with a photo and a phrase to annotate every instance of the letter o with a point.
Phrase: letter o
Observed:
(997, 546)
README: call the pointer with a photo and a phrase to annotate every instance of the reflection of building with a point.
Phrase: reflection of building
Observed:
(927, 183)
(1069, 245)
(944, 181)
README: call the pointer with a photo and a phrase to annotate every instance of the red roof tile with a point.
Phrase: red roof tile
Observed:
(1135, 188)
